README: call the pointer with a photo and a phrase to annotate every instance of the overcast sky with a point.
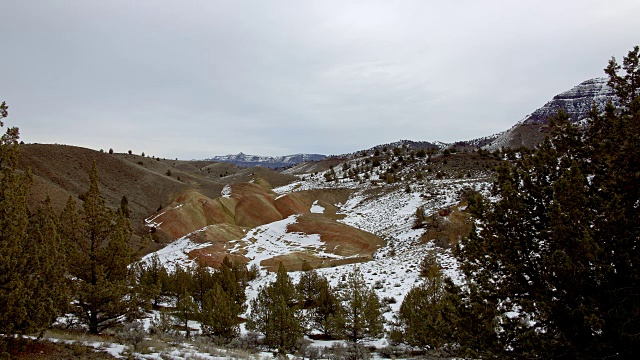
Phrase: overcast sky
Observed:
(193, 79)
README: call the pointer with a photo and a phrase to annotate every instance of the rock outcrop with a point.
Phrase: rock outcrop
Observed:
(576, 102)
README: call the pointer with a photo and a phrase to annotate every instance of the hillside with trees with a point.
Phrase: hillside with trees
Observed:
(470, 252)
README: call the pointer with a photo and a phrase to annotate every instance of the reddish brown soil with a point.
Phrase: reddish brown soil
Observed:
(341, 239)
(292, 204)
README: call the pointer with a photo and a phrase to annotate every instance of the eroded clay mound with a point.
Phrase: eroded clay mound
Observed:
(292, 204)
(225, 222)
(246, 205)
(340, 239)
(223, 239)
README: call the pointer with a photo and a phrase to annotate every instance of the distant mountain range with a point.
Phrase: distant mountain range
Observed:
(245, 160)
(576, 102)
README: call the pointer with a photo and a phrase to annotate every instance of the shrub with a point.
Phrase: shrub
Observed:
(132, 334)
(350, 351)
(378, 285)
(389, 300)
(248, 342)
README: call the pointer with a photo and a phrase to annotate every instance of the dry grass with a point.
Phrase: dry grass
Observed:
(448, 226)
(61, 171)
(76, 336)
(43, 349)
(70, 346)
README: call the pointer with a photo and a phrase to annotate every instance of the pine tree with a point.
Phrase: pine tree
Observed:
(99, 254)
(557, 254)
(362, 316)
(32, 283)
(275, 313)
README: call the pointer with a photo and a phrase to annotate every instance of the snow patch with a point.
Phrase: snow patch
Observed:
(317, 209)
(175, 254)
(226, 191)
(270, 240)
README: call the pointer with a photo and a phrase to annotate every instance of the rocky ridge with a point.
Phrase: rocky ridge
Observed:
(576, 102)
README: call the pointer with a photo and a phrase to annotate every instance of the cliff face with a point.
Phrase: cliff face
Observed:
(576, 102)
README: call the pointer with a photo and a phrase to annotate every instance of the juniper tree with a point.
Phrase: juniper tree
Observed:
(428, 315)
(179, 282)
(219, 314)
(99, 251)
(626, 85)
(46, 276)
(186, 310)
(276, 314)
(328, 313)
(362, 316)
(307, 285)
(202, 280)
(153, 279)
(324, 311)
(557, 255)
(124, 207)
(231, 278)
(32, 282)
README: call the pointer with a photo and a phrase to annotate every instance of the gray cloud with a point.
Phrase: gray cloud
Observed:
(191, 79)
